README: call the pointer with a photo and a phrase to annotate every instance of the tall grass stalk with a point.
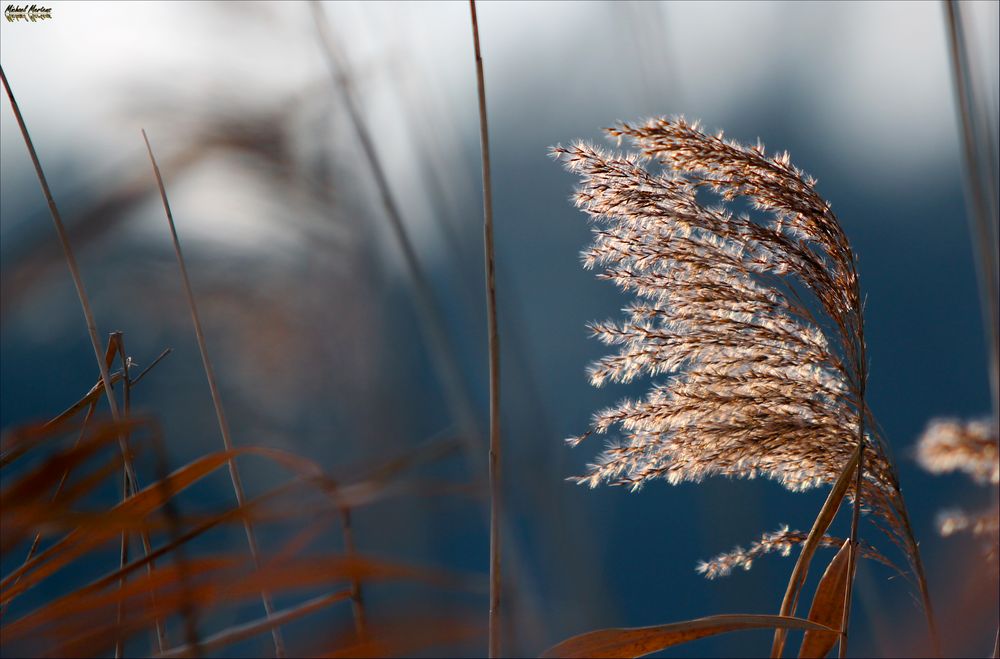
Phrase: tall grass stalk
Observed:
(979, 144)
(131, 483)
(220, 413)
(494, 350)
(981, 188)
(432, 320)
(861, 368)
(74, 269)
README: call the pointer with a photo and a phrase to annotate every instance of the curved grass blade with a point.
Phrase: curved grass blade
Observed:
(220, 413)
(82, 540)
(822, 523)
(828, 605)
(640, 641)
(238, 633)
(86, 623)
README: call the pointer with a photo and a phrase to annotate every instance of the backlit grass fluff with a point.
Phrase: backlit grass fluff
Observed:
(949, 445)
(752, 320)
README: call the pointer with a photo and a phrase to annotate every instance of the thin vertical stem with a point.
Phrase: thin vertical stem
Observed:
(357, 598)
(81, 294)
(432, 320)
(74, 269)
(130, 487)
(918, 566)
(220, 413)
(127, 487)
(981, 194)
(861, 379)
(852, 554)
(91, 408)
(494, 349)
(982, 214)
(822, 522)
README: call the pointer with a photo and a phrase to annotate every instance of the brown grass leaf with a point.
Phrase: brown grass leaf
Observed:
(83, 539)
(822, 523)
(238, 633)
(642, 641)
(828, 606)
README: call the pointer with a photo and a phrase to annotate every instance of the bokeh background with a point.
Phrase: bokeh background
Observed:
(315, 325)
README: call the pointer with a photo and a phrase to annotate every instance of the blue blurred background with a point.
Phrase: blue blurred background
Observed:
(311, 314)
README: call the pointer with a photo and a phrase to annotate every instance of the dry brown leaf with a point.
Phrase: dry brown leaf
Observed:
(822, 523)
(640, 641)
(83, 540)
(828, 605)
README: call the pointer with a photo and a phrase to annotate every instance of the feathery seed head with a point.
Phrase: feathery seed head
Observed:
(758, 382)
(949, 445)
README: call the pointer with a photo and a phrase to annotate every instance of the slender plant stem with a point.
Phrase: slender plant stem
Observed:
(357, 598)
(227, 440)
(822, 522)
(918, 566)
(982, 214)
(983, 221)
(432, 320)
(74, 270)
(81, 292)
(127, 491)
(129, 488)
(90, 402)
(430, 316)
(494, 350)
(240, 632)
(152, 365)
(852, 554)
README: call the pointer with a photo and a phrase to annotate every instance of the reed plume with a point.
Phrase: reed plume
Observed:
(759, 382)
(949, 445)
(971, 447)
(781, 542)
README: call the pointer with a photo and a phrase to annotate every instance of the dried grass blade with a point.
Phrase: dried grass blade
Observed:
(828, 605)
(220, 413)
(25, 438)
(33, 485)
(84, 539)
(641, 641)
(21, 442)
(51, 428)
(74, 269)
(87, 609)
(820, 525)
(89, 398)
(57, 607)
(248, 630)
(89, 617)
(51, 517)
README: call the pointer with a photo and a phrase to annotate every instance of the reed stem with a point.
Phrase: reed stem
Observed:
(494, 350)
(220, 413)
